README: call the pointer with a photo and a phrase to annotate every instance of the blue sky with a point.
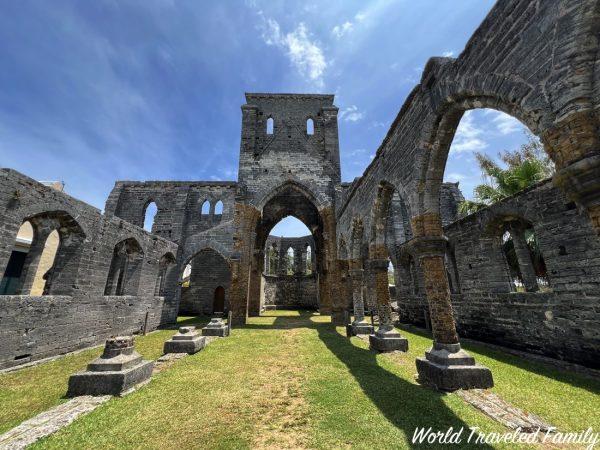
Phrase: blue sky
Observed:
(94, 92)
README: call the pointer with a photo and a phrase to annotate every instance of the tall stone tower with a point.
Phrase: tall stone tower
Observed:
(289, 137)
(289, 165)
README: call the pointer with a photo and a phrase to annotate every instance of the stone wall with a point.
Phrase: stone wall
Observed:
(289, 283)
(75, 312)
(562, 321)
(209, 272)
(290, 292)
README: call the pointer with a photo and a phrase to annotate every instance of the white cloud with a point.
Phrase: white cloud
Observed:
(448, 54)
(356, 152)
(468, 136)
(304, 53)
(377, 124)
(351, 114)
(359, 17)
(506, 124)
(454, 177)
(340, 30)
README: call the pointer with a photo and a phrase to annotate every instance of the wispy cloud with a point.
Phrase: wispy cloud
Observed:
(304, 53)
(468, 137)
(351, 114)
(506, 124)
(448, 54)
(454, 177)
(340, 30)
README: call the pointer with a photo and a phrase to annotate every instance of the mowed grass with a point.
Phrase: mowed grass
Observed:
(291, 380)
(27, 392)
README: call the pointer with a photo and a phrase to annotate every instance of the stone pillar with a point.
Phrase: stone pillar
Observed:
(387, 338)
(523, 257)
(581, 182)
(369, 297)
(245, 220)
(574, 145)
(446, 365)
(255, 283)
(330, 301)
(359, 325)
(324, 306)
(32, 260)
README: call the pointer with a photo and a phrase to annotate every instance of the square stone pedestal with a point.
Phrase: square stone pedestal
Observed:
(388, 341)
(216, 327)
(357, 328)
(119, 369)
(187, 340)
(448, 368)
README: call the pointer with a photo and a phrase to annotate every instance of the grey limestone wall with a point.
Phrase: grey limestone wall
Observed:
(559, 321)
(75, 313)
(289, 154)
(290, 292)
(290, 283)
(209, 272)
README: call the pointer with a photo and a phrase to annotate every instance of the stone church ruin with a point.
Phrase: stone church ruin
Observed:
(210, 250)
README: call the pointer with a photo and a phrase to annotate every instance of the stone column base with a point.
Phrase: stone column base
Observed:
(361, 328)
(448, 368)
(337, 318)
(216, 327)
(119, 369)
(388, 342)
(186, 341)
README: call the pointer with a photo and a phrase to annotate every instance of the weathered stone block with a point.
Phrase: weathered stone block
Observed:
(388, 342)
(362, 328)
(119, 369)
(216, 327)
(187, 340)
(448, 368)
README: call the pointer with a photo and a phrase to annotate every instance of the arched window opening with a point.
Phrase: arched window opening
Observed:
(11, 280)
(524, 258)
(125, 269)
(509, 159)
(291, 265)
(414, 277)
(272, 260)
(205, 211)
(310, 127)
(452, 272)
(219, 208)
(309, 266)
(45, 265)
(150, 216)
(187, 271)
(391, 274)
(270, 125)
(45, 257)
(165, 265)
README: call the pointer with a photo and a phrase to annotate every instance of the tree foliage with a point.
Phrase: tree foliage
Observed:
(522, 168)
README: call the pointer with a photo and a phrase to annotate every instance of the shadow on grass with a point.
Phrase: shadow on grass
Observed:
(407, 406)
(197, 321)
(538, 368)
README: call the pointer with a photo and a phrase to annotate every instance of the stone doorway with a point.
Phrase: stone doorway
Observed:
(219, 300)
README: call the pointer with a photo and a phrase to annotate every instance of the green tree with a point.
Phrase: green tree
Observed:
(524, 167)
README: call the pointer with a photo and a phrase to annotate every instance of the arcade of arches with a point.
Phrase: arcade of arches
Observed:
(208, 248)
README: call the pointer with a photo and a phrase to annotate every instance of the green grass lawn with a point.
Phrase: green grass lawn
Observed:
(27, 392)
(290, 380)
